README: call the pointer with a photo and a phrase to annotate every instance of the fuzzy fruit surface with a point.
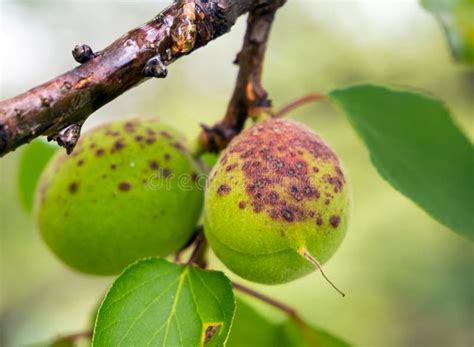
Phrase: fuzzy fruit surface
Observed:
(128, 191)
(276, 190)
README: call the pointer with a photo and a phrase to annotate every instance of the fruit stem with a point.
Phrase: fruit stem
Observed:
(266, 299)
(198, 230)
(73, 338)
(262, 116)
(198, 257)
(297, 103)
(304, 252)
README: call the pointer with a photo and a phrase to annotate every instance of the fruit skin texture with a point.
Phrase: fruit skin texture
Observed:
(128, 191)
(277, 189)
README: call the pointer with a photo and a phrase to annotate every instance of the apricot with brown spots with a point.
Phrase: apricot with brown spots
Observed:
(285, 174)
(112, 204)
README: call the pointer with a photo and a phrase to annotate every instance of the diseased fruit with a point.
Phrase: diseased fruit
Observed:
(277, 203)
(128, 191)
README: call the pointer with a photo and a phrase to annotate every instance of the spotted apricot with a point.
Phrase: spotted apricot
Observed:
(127, 191)
(277, 194)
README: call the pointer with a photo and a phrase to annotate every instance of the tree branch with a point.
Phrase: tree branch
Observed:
(249, 97)
(59, 107)
(270, 301)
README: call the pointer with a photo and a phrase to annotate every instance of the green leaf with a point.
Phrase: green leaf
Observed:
(33, 160)
(251, 329)
(457, 20)
(417, 148)
(157, 303)
(297, 334)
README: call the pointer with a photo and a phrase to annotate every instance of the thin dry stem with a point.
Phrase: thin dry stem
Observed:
(304, 252)
(282, 112)
(262, 297)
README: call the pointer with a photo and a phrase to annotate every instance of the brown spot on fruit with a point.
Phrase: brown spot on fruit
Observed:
(223, 189)
(231, 167)
(109, 132)
(166, 134)
(153, 165)
(100, 152)
(242, 205)
(257, 206)
(287, 214)
(336, 182)
(139, 138)
(118, 145)
(166, 172)
(129, 127)
(150, 132)
(246, 154)
(150, 140)
(319, 221)
(167, 156)
(80, 162)
(295, 193)
(113, 166)
(273, 197)
(124, 186)
(179, 146)
(334, 221)
(73, 187)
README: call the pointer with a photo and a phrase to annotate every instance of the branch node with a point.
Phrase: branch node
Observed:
(3, 137)
(83, 53)
(68, 137)
(155, 68)
(237, 59)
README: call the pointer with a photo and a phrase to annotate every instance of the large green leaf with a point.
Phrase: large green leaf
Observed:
(294, 333)
(157, 303)
(251, 329)
(416, 147)
(457, 19)
(33, 160)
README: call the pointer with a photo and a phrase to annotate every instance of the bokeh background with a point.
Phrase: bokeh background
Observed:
(409, 280)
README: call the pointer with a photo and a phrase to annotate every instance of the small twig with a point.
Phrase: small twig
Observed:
(74, 337)
(249, 98)
(198, 257)
(296, 104)
(262, 297)
(199, 229)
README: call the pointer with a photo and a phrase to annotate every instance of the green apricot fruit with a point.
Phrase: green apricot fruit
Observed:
(276, 203)
(129, 190)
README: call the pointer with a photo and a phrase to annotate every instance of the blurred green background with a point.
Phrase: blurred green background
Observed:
(409, 281)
